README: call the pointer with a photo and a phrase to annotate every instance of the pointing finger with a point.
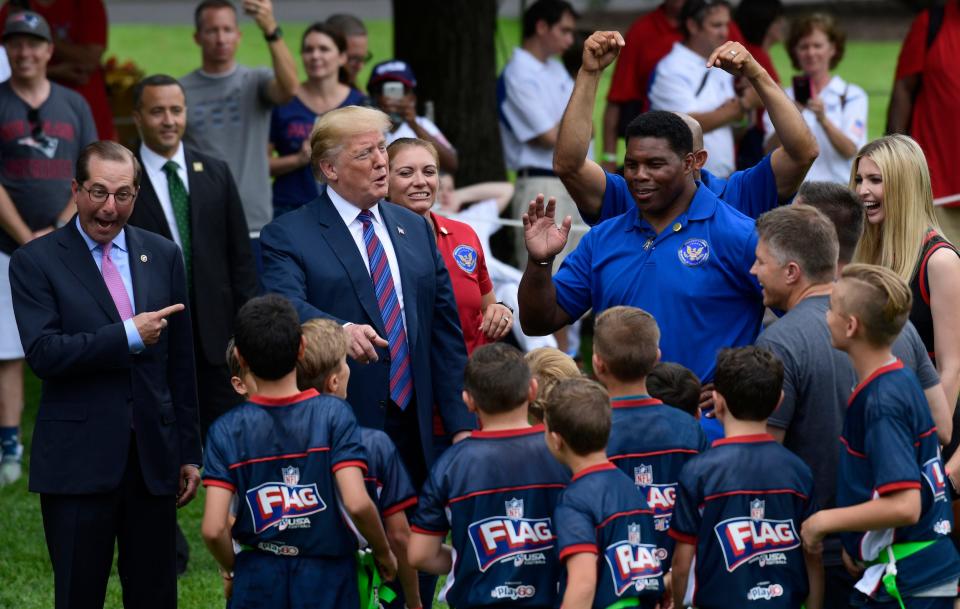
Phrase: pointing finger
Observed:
(174, 308)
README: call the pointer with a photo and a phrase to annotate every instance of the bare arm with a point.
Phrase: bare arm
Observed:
(428, 553)
(941, 411)
(897, 509)
(537, 296)
(284, 85)
(814, 563)
(288, 163)
(363, 513)
(501, 191)
(584, 179)
(943, 271)
(680, 570)
(10, 220)
(611, 118)
(215, 527)
(581, 581)
(901, 104)
(398, 535)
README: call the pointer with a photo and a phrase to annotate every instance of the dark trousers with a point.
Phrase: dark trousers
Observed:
(81, 530)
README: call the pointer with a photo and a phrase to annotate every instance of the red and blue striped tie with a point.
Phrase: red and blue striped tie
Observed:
(401, 381)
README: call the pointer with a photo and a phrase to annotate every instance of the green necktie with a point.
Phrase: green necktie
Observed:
(180, 200)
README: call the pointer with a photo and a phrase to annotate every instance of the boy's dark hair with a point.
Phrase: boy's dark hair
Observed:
(549, 11)
(208, 4)
(754, 18)
(155, 80)
(497, 378)
(267, 333)
(842, 206)
(232, 362)
(697, 10)
(675, 385)
(750, 379)
(578, 410)
(664, 125)
(626, 339)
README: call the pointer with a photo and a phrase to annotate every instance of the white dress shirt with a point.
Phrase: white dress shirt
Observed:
(153, 164)
(350, 214)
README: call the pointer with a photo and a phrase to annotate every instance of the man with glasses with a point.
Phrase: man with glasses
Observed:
(358, 52)
(101, 311)
(43, 127)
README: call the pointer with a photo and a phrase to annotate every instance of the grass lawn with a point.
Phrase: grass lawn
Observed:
(25, 573)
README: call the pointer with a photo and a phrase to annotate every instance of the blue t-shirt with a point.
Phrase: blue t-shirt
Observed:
(496, 492)
(750, 191)
(290, 125)
(600, 512)
(741, 504)
(694, 278)
(890, 444)
(279, 457)
(387, 480)
(651, 442)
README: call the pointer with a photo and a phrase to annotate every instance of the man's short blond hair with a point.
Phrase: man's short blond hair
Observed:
(332, 129)
(326, 346)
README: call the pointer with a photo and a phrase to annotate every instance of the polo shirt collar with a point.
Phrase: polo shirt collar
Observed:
(443, 227)
(348, 211)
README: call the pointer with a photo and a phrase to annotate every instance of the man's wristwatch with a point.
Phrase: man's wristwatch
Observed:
(274, 36)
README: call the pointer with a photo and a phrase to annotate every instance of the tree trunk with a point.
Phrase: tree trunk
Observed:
(450, 46)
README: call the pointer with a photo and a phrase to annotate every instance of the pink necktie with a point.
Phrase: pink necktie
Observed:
(111, 276)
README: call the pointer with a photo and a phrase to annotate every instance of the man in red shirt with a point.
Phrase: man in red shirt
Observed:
(79, 30)
(927, 112)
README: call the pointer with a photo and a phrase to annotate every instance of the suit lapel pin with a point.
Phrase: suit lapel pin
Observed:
(143, 258)
(401, 231)
(197, 166)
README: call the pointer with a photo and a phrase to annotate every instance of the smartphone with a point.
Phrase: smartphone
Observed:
(801, 89)
(393, 90)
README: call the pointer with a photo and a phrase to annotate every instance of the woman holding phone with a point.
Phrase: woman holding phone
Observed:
(324, 53)
(835, 110)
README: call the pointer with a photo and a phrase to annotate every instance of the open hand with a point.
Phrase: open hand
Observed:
(544, 238)
(601, 49)
(262, 13)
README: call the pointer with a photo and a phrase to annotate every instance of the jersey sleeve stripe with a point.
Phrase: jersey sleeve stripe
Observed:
(619, 514)
(220, 483)
(317, 449)
(503, 490)
(399, 507)
(349, 463)
(774, 491)
(669, 451)
(580, 548)
(846, 445)
(892, 487)
(683, 537)
(414, 528)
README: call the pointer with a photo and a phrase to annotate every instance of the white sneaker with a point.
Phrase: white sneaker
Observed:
(11, 468)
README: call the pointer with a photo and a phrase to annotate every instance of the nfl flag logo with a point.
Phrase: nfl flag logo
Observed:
(643, 475)
(291, 475)
(514, 509)
(633, 534)
(757, 509)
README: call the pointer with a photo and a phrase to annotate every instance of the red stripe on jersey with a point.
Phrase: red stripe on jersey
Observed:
(684, 537)
(747, 439)
(580, 548)
(897, 365)
(351, 463)
(503, 489)
(508, 433)
(850, 450)
(318, 449)
(414, 528)
(634, 401)
(284, 401)
(653, 453)
(399, 507)
(775, 491)
(220, 483)
(892, 487)
(607, 520)
(600, 467)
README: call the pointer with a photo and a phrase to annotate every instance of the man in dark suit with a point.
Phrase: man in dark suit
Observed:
(373, 266)
(191, 198)
(116, 439)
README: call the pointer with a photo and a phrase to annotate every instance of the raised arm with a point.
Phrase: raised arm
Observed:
(583, 178)
(799, 147)
(284, 85)
(502, 192)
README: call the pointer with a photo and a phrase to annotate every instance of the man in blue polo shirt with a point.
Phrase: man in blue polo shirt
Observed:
(684, 256)
(600, 196)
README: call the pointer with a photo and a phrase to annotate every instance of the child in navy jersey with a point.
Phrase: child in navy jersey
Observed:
(495, 492)
(740, 504)
(676, 386)
(293, 459)
(324, 367)
(649, 441)
(604, 528)
(893, 511)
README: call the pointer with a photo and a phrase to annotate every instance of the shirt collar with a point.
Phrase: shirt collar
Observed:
(688, 55)
(836, 85)
(155, 162)
(348, 211)
(119, 242)
(528, 58)
(444, 226)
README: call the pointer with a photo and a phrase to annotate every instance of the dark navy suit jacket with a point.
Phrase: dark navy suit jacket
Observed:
(94, 390)
(310, 257)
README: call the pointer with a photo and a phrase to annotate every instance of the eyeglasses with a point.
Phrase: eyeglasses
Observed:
(359, 59)
(99, 195)
(33, 117)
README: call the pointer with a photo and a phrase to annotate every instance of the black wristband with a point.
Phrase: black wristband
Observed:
(503, 304)
(276, 35)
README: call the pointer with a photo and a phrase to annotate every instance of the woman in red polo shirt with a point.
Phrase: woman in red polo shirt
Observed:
(414, 181)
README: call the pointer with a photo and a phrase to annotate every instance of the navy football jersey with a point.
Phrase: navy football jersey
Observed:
(741, 504)
(890, 444)
(279, 457)
(496, 492)
(601, 512)
(387, 480)
(651, 442)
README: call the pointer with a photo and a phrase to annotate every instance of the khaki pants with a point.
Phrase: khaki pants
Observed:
(527, 189)
(949, 218)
